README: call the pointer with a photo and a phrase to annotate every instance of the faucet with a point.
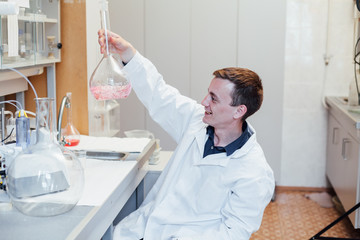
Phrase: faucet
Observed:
(64, 103)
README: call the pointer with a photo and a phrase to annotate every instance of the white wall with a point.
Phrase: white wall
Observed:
(127, 19)
(261, 46)
(314, 30)
(92, 47)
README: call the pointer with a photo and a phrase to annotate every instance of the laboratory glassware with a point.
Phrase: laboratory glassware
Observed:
(22, 123)
(2, 114)
(46, 179)
(108, 80)
(22, 47)
(52, 46)
(69, 134)
(105, 121)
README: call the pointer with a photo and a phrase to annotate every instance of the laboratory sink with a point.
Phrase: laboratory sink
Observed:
(104, 155)
(347, 114)
(343, 100)
(344, 103)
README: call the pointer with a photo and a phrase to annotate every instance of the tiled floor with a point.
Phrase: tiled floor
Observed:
(293, 217)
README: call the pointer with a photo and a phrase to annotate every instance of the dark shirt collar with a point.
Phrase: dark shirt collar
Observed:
(231, 147)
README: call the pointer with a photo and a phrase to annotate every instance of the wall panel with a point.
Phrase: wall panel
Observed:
(167, 45)
(261, 48)
(127, 20)
(213, 41)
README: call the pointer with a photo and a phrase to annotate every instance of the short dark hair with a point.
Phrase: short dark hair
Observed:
(248, 89)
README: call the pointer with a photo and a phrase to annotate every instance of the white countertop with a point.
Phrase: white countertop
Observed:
(102, 178)
(108, 186)
(164, 159)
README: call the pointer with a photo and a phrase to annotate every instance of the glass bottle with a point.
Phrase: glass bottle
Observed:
(51, 46)
(22, 49)
(45, 179)
(108, 81)
(105, 122)
(69, 133)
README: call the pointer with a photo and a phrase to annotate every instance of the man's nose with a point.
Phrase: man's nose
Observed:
(205, 101)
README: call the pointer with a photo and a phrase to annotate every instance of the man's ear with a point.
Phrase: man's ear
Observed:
(240, 111)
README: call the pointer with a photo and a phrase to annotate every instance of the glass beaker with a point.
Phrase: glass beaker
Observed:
(108, 81)
(105, 122)
(69, 133)
(45, 179)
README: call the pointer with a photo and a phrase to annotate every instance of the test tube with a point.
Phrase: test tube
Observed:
(2, 124)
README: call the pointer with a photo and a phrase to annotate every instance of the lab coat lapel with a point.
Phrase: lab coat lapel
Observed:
(213, 159)
(247, 146)
(221, 159)
(201, 138)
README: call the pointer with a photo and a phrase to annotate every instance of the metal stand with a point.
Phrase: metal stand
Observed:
(318, 235)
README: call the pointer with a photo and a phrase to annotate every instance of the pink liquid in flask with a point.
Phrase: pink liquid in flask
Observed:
(72, 142)
(111, 92)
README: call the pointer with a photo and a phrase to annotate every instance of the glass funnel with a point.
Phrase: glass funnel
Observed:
(108, 81)
(69, 134)
(45, 179)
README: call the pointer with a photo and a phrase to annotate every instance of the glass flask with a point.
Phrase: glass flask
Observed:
(46, 179)
(105, 122)
(108, 81)
(51, 46)
(69, 134)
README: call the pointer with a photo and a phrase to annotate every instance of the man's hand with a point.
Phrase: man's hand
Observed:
(116, 45)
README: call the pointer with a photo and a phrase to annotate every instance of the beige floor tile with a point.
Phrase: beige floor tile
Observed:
(292, 216)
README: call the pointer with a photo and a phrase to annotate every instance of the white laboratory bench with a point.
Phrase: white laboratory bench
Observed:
(154, 171)
(108, 186)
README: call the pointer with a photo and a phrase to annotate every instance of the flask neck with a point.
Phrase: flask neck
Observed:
(105, 24)
(107, 54)
(69, 113)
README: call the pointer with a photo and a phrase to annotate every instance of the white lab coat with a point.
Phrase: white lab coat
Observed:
(217, 197)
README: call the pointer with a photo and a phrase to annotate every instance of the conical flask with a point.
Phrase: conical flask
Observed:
(45, 179)
(108, 81)
(69, 133)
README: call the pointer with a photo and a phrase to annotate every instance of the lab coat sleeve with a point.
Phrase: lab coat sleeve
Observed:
(133, 226)
(171, 110)
(245, 207)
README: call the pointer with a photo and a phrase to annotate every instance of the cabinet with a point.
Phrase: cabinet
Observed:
(38, 46)
(343, 146)
(38, 35)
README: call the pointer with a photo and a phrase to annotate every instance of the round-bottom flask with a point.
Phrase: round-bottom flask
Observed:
(45, 179)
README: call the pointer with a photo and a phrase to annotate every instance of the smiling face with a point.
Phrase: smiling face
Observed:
(218, 110)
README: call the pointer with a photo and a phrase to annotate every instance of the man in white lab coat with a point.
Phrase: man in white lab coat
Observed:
(217, 183)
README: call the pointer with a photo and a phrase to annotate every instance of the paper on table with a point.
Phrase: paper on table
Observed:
(111, 144)
(102, 178)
